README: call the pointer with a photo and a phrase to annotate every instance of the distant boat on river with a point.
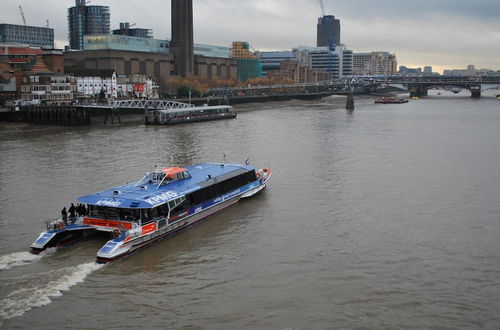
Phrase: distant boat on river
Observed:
(391, 100)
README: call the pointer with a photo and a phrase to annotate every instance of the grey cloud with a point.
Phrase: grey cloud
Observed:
(455, 31)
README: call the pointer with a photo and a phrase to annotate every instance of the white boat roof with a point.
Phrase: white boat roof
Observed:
(205, 107)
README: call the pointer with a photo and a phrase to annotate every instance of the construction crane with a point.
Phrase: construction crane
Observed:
(22, 14)
(322, 7)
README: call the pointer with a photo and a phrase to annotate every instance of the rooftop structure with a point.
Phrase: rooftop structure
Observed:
(127, 43)
(147, 45)
(125, 30)
(23, 58)
(212, 51)
(28, 35)
(86, 20)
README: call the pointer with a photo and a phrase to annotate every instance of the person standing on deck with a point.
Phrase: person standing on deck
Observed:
(64, 214)
(72, 214)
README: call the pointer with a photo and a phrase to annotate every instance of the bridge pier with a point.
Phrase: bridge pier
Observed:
(417, 91)
(112, 113)
(475, 92)
(350, 102)
(57, 115)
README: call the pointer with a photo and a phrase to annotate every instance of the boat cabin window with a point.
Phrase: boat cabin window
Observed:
(113, 213)
(149, 215)
(151, 178)
(164, 176)
(169, 178)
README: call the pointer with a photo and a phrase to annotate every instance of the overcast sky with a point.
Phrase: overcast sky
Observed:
(441, 33)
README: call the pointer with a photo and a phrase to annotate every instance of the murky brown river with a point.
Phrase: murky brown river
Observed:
(385, 218)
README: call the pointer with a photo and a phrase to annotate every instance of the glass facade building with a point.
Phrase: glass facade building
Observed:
(273, 60)
(86, 20)
(29, 35)
(119, 42)
(148, 45)
(212, 51)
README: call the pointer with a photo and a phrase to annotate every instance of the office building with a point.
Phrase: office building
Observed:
(248, 63)
(337, 62)
(86, 20)
(46, 88)
(374, 64)
(405, 71)
(27, 35)
(273, 60)
(328, 31)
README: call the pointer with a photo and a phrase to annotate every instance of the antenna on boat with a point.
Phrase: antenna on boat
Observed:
(224, 159)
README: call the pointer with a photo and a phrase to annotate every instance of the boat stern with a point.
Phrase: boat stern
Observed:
(113, 249)
(40, 244)
(263, 176)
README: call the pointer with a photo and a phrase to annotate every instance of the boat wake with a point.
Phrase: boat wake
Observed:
(16, 259)
(36, 293)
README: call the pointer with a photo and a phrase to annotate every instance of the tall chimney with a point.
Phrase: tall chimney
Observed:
(182, 43)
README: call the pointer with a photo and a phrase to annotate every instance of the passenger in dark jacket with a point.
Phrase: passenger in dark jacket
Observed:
(64, 214)
(72, 212)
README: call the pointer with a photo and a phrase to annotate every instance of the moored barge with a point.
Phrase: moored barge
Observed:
(189, 114)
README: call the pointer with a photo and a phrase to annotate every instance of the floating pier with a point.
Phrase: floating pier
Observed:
(57, 115)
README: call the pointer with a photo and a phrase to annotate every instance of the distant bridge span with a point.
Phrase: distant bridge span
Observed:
(418, 86)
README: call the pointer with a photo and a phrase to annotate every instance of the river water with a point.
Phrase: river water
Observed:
(387, 217)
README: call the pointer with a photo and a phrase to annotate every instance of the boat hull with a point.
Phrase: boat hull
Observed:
(60, 238)
(141, 242)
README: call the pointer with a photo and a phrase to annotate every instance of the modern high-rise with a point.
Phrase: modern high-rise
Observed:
(328, 31)
(28, 35)
(182, 43)
(86, 20)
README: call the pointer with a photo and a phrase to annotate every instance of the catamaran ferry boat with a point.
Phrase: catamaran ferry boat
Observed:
(163, 202)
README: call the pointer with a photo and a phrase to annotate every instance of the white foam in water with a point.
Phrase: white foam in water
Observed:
(15, 259)
(20, 301)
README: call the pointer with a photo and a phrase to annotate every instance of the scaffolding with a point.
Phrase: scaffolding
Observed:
(249, 65)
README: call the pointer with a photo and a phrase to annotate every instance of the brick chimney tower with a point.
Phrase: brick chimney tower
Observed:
(182, 44)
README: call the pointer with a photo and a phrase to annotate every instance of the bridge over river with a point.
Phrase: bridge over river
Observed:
(416, 86)
(419, 86)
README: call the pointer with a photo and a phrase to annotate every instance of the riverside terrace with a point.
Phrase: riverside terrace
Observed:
(417, 87)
